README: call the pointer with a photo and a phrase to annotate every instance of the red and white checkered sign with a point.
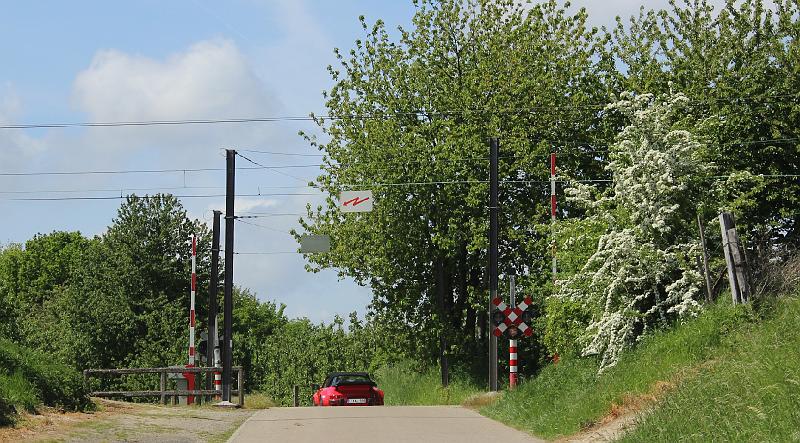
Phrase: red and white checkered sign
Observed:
(513, 317)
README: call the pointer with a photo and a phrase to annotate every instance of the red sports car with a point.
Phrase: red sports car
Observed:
(348, 389)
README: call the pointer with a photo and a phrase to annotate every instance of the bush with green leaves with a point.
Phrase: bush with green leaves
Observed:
(29, 378)
(642, 274)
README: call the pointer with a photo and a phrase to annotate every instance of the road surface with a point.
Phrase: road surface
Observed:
(417, 424)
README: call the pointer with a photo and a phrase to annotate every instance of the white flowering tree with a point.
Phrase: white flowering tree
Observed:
(642, 274)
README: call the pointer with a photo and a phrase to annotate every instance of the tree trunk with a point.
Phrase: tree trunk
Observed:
(442, 291)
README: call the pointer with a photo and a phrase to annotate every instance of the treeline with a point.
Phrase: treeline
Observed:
(686, 111)
(121, 299)
(674, 113)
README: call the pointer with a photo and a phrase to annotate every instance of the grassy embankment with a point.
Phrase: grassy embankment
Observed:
(730, 375)
(29, 379)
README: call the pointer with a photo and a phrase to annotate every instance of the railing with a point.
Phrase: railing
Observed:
(163, 392)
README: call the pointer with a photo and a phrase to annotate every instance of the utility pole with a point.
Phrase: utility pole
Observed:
(553, 213)
(493, 228)
(212, 350)
(227, 343)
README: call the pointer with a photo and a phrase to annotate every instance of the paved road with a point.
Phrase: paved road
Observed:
(416, 424)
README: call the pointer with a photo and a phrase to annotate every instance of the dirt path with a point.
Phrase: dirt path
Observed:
(129, 422)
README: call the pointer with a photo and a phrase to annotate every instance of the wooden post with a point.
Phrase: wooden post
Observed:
(709, 293)
(296, 396)
(740, 266)
(163, 387)
(240, 385)
(737, 270)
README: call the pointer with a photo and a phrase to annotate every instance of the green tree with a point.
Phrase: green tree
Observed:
(740, 67)
(410, 120)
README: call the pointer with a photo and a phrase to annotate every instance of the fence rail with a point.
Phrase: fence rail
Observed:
(164, 393)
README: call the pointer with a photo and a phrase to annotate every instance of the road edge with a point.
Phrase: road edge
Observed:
(241, 425)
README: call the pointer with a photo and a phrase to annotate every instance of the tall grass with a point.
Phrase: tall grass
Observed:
(403, 385)
(29, 379)
(570, 396)
(751, 393)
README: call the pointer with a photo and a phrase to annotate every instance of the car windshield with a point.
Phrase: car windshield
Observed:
(347, 379)
(353, 378)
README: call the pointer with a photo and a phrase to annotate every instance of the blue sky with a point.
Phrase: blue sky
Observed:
(154, 60)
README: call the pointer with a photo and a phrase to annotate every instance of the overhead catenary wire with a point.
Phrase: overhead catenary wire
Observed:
(351, 186)
(123, 197)
(265, 252)
(120, 190)
(273, 170)
(238, 219)
(150, 171)
(288, 154)
(764, 99)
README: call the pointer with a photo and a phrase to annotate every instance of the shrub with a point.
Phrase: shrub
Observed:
(29, 378)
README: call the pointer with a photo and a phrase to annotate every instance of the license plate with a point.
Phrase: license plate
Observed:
(356, 401)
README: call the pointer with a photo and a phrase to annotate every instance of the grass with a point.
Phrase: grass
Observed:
(568, 397)
(750, 393)
(404, 386)
(258, 400)
(29, 379)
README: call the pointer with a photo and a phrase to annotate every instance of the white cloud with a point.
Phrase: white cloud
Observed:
(16, 147)
(246, 205)
(209, 80)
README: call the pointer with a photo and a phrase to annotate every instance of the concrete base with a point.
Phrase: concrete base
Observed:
(226, 404)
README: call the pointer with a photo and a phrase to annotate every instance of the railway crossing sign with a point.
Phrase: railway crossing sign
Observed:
(513, 321)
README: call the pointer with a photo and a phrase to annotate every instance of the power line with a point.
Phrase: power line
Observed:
(558, 146)
(238, 219)
(273, 170)
(151, 196)
(353, 185)
(147, 171)
(374, 115)
(266, 253)
(292, 154)
(120, 190)
(269, 214)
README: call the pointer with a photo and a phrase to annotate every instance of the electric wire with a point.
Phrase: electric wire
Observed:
(763, 99)
(149, 171)
(238, 219)
(274, 194)
(273, 170)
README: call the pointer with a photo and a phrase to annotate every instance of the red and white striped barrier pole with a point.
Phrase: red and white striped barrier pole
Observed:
(553, 210)
(512, 364)
(191, 377)
(512, 343)
(217, 374)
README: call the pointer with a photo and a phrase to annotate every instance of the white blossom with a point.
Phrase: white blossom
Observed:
(640, 276)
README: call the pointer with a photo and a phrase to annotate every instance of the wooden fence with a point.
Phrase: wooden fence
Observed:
(164, 393)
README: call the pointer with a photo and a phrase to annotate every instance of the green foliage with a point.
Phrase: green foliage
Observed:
(423, 248)
(641, 275)
(570, 395)
(117, 300)
(563, 324)
(30, 378)
(738, 64)
(404, 384)
(302, 353)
